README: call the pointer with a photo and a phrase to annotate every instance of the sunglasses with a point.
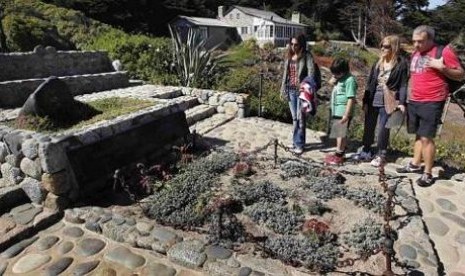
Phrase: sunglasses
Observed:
(385, 46)
(294, 44)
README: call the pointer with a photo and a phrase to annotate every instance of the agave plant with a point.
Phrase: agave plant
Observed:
(192, 61)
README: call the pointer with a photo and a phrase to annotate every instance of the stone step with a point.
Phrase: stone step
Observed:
(15, 93)
(198, 113)
(21, 223)
(208, 124)
(146, 91)
(11, 197)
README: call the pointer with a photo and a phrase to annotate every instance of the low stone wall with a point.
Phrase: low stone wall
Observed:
(45, 62)
(15, 93)
(61, 167)
(233, 104)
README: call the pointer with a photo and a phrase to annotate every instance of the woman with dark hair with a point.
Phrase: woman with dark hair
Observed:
(386, 92)
(298, 66)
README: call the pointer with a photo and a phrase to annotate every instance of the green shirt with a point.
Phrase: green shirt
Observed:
(344, 89)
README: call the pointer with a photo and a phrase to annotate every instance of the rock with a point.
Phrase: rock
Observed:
(34, 190)
(65, 247)
(165, 236)
(73, 217)
(446, 204)
(3, 266)
(407, 251)
(245, 271)
(74, 232)
(46, 243)
(188, 253)
(26, 216)
(52, 157)
(30, 148)
(56, 203)
(50, 50)
(93, 226)
(452, 217)
(217, 252)
(39, 50)
(144, 242)
(157, 269)
(230, 108)
(30, 262)
(11, 175)
(436, 226)
(3, 152)
(31, 168)
(58, 267)
(13, 141)
(144, 228)
(458, 177)
(14, 159)
(90, 246)
(56, 183)
(54, 100)
(123, 256)
(85, 268)
(18, 248)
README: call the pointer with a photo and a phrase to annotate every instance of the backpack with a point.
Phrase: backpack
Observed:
(454, 85)
(317, 84)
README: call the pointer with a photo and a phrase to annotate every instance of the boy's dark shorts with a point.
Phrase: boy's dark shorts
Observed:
(424, 118)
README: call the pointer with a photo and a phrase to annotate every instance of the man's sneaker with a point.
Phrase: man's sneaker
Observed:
(363, 156)
(425, 180)
(376, 162)
(297, 150)
(409, 168)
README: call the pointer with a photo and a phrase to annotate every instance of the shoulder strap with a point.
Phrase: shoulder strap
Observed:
(439, 51)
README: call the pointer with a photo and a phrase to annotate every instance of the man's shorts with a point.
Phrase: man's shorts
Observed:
(424, 118)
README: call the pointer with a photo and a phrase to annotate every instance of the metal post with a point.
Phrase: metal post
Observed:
(194, 133)
(260, 89)
(275, 152)
(387, 247)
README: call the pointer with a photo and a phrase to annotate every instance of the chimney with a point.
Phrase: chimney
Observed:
(220, 12)
(295, 17)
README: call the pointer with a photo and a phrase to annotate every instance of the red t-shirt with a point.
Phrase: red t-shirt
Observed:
(428, 84)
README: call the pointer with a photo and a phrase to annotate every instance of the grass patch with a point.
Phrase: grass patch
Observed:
(108, 109)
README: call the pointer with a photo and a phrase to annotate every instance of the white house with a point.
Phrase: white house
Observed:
(264, 26)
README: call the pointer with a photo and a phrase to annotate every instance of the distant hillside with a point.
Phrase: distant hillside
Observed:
(27, 23)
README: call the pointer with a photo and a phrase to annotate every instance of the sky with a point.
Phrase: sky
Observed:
(434, 3)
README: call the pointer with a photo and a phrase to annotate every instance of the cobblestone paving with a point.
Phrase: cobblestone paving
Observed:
(99, 241)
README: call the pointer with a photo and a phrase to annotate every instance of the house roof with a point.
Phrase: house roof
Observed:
(268, 15)
(204, 21)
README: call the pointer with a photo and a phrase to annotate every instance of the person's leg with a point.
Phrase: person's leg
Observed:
(383, 133)
(371, 118)
(293, 107)
(417, 151)
(299, 139)
(413, 125)
(428, 152)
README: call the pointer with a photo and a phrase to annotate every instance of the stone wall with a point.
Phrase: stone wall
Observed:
(45, 62)
(60, 167)
(15, 93)
(233, 104)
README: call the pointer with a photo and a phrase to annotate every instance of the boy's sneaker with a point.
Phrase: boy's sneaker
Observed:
(363, 156)
(333, 159)
(377, 161)
(425, 180)
(409, 168)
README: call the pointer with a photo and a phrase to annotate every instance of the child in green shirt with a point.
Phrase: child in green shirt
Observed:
(342, 107)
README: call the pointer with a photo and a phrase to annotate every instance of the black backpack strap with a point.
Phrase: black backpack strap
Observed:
(439, 51)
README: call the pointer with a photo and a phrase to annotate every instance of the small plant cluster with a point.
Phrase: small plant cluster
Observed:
(364, 237)
(275, 217)
(326, 187)
(317, 230)
(294, 168)
(182, 203)
(369, 198)
(307, 252)
(261, 192)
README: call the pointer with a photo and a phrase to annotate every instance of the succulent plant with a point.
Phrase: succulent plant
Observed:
(364, 237)
(275, 216)
(262, 191)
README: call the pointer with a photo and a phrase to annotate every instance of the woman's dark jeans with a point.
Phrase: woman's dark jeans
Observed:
(371, 119)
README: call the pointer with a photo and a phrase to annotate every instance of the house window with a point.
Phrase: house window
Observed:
(271, 31)
(244, 30)
(255, 28)
(237, 16)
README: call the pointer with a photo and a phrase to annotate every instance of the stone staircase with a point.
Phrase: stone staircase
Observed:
(25, 205)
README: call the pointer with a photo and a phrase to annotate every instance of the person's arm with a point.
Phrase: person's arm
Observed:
(349, 106)
(448, 64)
(404, 77)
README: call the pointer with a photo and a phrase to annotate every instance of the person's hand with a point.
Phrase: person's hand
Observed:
(332, 81)
(344, 119)
(436, 63)
(401, 107)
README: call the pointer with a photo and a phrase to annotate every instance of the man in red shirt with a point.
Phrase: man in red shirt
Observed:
(428, 93)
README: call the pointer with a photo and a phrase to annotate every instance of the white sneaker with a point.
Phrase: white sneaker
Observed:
(290, 146)
(298, 150)
(376, 162)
